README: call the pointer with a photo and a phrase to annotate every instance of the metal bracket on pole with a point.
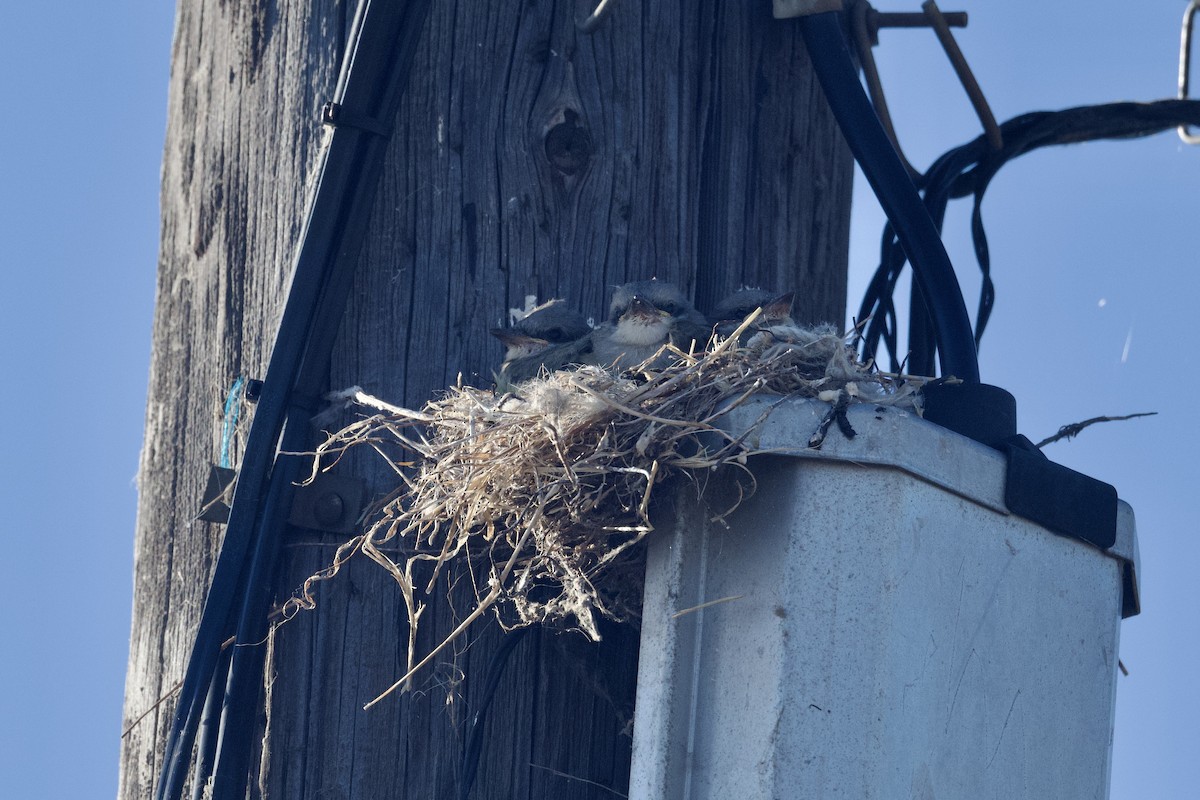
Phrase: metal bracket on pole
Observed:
(218, 495)
(789, 9)
(327, 503)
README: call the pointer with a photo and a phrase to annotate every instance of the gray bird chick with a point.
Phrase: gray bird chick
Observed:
(518, 345)
(636, 335)
(551, 358)
(729, 314)
(553, 322)
(687, 325)
(548, 336)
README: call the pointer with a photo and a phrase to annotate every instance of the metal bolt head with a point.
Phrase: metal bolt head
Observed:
(329, 508)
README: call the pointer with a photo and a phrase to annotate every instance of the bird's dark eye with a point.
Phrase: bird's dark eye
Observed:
(671, 308)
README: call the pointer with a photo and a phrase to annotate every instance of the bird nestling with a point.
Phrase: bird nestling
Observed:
(729, 314)
(688, 324)
(545, 337)
(644, 316)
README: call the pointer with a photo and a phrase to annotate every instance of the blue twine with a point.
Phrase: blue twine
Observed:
(233, 402)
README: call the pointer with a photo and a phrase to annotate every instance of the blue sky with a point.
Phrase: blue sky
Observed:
(1095, 263)
(85, 85)
(1094, 258)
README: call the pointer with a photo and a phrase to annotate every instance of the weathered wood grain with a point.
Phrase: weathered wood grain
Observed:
(236, 169)
(685, 139)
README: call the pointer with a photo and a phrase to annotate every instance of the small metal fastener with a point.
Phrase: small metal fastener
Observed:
(330, 503)
(328, 508)
(336, 115)
(891, 19)
(1185, 64)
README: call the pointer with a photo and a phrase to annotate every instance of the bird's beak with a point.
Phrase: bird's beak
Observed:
(511, 338)
(643, 309)
(779, 307)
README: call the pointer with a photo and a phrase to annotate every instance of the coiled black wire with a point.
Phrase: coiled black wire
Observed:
(913, 226)
(967, 171)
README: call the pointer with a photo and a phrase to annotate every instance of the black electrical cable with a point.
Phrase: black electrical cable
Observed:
(331, 240)
(474, 741)
(878, 307)
(210, 725)
(967, 171)
(897, 195)
(230, 768)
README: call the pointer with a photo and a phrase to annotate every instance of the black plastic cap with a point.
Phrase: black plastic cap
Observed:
(987, 414)
(1058, 498)
(1055, 497)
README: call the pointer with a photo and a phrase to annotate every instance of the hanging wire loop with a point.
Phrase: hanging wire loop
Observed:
(1185, 65)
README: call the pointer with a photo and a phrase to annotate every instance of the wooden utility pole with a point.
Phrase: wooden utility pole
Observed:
(686, 139)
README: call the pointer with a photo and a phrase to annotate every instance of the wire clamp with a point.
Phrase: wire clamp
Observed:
(335, 115)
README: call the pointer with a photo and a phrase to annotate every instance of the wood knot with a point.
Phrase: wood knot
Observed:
(568, 144)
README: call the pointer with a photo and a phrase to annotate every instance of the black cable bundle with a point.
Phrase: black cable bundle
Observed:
(968, 171)
(219, 691)
(915, 232)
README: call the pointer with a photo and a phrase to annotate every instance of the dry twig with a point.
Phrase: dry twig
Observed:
(1074, 429)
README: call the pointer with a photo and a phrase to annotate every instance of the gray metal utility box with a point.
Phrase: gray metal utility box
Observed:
(879, 626)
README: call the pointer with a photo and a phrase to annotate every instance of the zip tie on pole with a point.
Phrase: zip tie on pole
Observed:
(233, 403)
